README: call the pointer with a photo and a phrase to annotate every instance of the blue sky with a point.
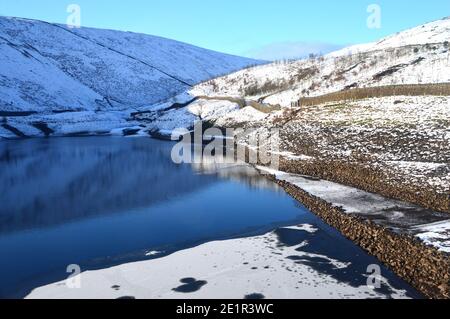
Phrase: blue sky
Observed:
(257, 28)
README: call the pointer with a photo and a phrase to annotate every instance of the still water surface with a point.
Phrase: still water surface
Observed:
(104, 201)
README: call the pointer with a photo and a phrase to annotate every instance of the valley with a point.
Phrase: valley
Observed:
(364, 150)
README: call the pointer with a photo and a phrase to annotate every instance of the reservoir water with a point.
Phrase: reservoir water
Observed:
(103, 201)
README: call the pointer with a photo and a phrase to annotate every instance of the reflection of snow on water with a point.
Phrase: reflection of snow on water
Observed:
(159, 208)
(305, 227)
(397, 215)
(127, 198)
(153, 253)
(291, 262)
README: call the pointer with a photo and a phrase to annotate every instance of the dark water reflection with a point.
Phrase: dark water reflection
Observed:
(100, 202)
(103, 201)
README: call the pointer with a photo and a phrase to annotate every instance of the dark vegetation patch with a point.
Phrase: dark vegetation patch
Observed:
(102, 133)
(156, 134)
(43, 127)
(351, 86)
(389, 71)
(14, 130)
(78, 134)
(266, 87)
(17, 113)
(417, 61)
(306, 73)
(177, 106)
(65, 111)
(130, 132)
(351, 68)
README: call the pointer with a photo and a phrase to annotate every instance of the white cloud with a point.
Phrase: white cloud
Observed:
(291, 50)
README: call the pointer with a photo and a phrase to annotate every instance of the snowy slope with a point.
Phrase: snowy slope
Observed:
(107, 75)
(418, 55)
(47, 67)
(433, 32)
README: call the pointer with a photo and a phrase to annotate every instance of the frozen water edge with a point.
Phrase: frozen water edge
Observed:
(263, 265)
(431, 227)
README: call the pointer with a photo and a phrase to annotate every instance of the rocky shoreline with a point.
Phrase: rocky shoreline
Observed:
(422, 266)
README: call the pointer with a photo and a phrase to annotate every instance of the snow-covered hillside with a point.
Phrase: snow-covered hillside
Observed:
(433, 32)
(47, 67)
(418, 55)
(401, 137)
(104, 78)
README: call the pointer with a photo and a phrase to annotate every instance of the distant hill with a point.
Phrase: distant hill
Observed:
(416, 56)
(48, 67)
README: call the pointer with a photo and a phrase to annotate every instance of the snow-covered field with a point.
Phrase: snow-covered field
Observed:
(276, 265)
